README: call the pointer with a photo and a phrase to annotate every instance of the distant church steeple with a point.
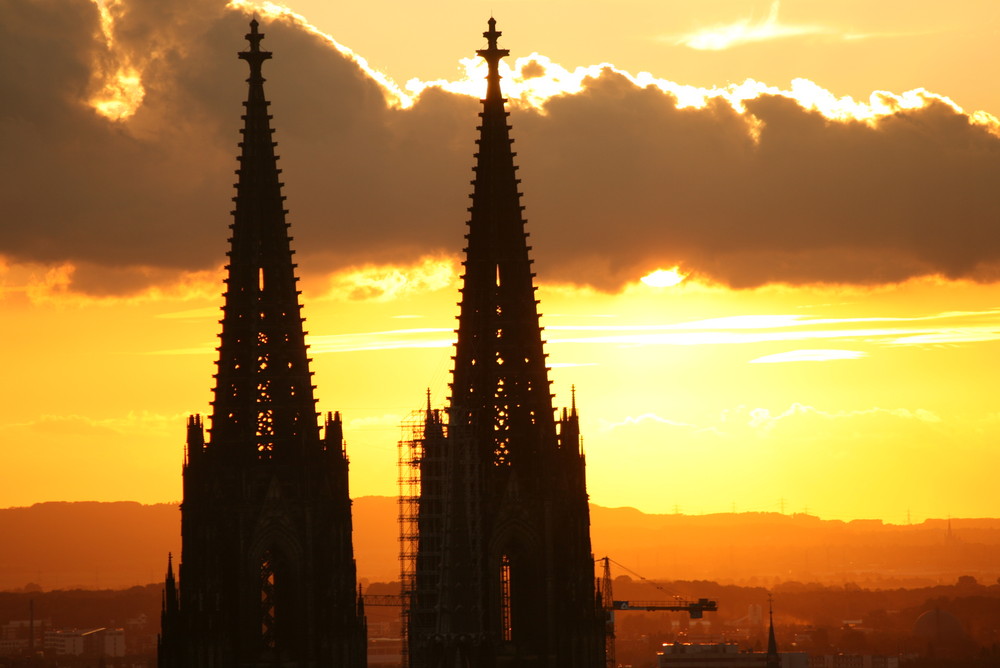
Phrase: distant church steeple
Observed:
(504, 574)
(267, 574)
(773, 658)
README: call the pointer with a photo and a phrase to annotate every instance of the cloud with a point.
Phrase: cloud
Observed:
(743, 186)
(746, 31)
(815, 355)
(798, 421)
(937, 328)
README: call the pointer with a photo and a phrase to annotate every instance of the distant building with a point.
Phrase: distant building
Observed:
(724, 655)
(730, 655)
(853, 661)
(938, 633)
(385, 652)
(114, 642)
(87, 642)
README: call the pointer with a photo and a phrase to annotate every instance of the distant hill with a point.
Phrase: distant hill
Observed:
(113, 545)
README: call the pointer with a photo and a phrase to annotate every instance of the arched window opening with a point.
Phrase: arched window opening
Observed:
(506, 626)
(267, 600)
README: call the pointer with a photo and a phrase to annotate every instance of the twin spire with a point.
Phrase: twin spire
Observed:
(264, 404)
(500, 391)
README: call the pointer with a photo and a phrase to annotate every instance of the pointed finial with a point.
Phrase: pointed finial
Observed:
(572, 393)
(428, 401)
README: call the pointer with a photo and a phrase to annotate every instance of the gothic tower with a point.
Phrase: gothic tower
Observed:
(267, 574)
(503, 573)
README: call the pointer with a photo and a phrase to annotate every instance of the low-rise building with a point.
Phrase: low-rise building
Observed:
(723, 655)
(86, 642)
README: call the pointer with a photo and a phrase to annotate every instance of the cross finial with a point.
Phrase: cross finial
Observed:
(492, 53)
(254, 35)
(255, 57)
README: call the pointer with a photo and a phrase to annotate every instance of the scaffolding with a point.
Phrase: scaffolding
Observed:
(422, 517)
(440, 536)
(409, 453)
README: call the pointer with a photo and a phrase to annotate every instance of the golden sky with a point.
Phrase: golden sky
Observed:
(823, 175)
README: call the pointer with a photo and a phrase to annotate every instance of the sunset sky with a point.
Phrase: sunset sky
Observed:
(817, 183)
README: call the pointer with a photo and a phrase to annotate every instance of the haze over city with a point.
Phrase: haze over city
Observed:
(770, 294)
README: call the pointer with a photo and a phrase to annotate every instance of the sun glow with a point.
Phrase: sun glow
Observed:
(664, 278)
(389, 282)
(121, 92)
(121, 96)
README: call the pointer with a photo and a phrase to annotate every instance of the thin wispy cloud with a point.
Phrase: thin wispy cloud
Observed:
(813, 355)
(953, 327)
(935, 329)
(395, 339)
(746, 31)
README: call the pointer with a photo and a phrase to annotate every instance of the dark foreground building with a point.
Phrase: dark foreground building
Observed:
(267, 574)
(502, 573)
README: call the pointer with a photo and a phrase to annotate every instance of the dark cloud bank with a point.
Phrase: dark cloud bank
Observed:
(617, 179)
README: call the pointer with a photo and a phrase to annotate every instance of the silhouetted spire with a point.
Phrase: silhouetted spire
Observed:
(170, 602)
(166, 642)
(267, 575)
(433, 427)
(264, 403)
(500, 371)
(773, 659)
(504, 573)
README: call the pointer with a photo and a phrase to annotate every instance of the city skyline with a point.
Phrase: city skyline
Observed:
(773, 359)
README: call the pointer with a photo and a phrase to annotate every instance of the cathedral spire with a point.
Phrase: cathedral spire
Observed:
(266, 575)
(503, 573)
(500, 386)
(264, 405)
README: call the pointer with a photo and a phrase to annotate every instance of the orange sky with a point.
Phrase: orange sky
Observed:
(830, 350)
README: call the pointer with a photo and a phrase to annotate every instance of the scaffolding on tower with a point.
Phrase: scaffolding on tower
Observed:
(410, 452)
(438, 509)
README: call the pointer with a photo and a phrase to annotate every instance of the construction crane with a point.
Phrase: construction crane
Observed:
(695, 609)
